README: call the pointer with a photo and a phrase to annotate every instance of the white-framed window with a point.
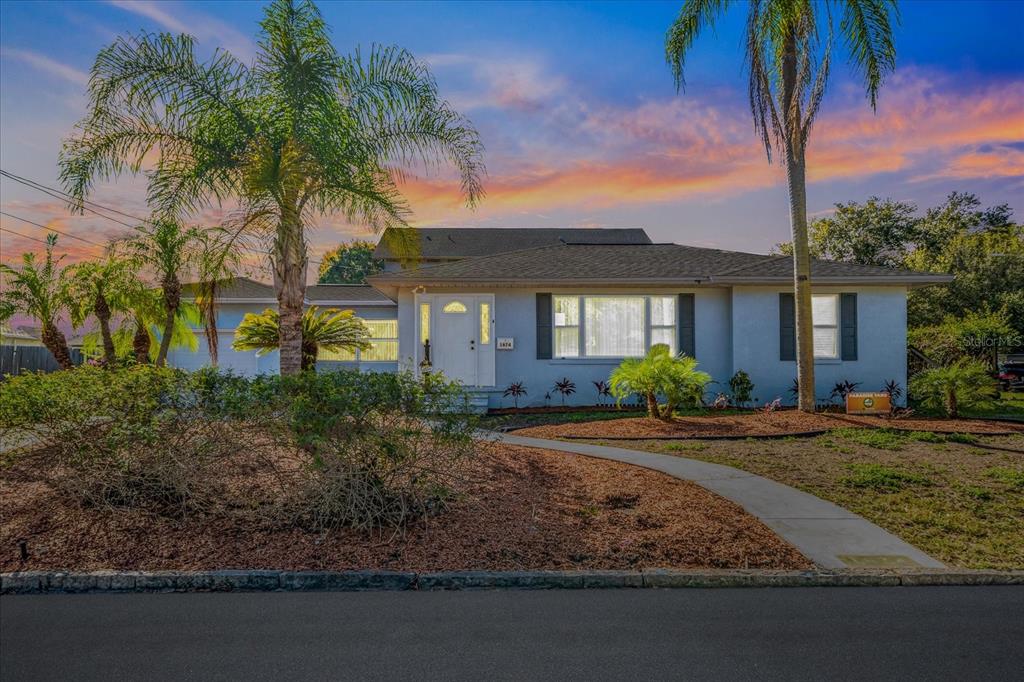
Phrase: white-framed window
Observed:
(383, 345)
(825, 315)
(612, 326)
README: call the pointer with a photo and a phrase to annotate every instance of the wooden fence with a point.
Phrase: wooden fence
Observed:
(17, 359)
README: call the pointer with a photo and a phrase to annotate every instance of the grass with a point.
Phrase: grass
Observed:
(959, 499)
(1009, 406)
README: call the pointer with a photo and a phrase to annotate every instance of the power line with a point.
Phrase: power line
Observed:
(86, 203)
(52, 229)
(23, 236)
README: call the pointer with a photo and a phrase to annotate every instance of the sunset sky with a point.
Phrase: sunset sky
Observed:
(578, 112)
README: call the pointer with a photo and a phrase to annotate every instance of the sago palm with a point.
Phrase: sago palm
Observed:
(788, 48)
(332, 329)
(301, 132)
(169, 251)
(41, 290)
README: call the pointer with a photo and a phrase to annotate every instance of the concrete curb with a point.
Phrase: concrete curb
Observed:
(43, 582)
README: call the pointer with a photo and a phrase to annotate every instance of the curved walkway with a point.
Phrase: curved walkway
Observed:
(827, 534)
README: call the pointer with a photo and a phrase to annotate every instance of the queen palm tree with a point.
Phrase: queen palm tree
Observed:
(788, 48)
(169, 251)
(219, 256)
(103, 288)
(41, 290)
(299, 133)
(332, 329)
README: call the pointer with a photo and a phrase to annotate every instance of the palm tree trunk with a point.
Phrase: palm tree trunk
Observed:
(209, 309)
(796, 180)
(290, 281)
(57, 344)
(172, 301)
(102, 311)
(652, 406)
(140, 343)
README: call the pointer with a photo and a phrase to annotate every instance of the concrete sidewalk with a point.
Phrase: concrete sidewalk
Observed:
(827, 534)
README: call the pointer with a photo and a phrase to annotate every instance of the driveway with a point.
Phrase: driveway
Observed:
(803, 633)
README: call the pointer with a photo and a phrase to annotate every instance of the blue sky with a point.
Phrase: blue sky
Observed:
(578, 113)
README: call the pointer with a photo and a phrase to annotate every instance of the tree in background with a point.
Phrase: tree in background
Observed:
(170, 252)
(349, 263)
(333, 330)
(219, 255)
(984, 251)
(103, 288)
(42, 291)
(301, 132)
(788, 51)
(876, 232)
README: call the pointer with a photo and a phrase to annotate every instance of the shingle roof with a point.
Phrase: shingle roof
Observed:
(667, 264)
(238, 288)
(245, 289)
(449, 243)
(345, 293)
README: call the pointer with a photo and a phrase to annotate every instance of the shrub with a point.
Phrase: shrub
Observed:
(842, 389)
(742, 388)
(319, 451)
(660, 373)
(516, 390)
(971, 337)
(565, 386)
(963, 384)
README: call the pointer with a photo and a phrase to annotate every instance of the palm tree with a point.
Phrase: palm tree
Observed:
(169, 251)
(333, 330)
(789, 66)
(41, 290)
(140, 330)
(219, 255)
(103, 288)
(301, 132)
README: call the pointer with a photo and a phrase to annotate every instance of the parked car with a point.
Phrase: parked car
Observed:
(1011, 373)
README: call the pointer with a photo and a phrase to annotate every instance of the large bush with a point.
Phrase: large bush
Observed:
(660, 374)
(317, 450)
(974, 336)
(963, 384)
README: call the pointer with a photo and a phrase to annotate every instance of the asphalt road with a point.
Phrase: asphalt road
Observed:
(957, 633)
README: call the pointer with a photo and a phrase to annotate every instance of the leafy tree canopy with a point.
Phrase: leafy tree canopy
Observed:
(349, 263)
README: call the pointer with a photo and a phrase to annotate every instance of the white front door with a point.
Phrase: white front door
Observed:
(461, 336)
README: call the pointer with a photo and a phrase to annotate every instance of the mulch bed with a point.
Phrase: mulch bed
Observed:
(522, 509)
(758, 425)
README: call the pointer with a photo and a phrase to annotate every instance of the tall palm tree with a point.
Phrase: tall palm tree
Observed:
(301, 132)
(103, 288)
(788, 48)
(332, 329)
(41, 290)
(169, 251)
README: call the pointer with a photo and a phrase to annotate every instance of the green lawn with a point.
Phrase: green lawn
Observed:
(959, 498)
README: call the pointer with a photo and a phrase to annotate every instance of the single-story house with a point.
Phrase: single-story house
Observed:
(490, 307)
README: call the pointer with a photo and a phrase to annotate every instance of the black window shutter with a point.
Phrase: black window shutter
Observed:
(848, 326)
(543, 326)
(687, 340)
(787, 327)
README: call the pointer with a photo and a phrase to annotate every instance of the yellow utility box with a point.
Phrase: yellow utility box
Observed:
(868, 403)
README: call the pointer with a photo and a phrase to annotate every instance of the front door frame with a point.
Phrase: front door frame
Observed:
(484, 355)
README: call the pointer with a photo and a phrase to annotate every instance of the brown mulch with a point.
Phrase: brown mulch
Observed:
(781, 423)
(522, 509)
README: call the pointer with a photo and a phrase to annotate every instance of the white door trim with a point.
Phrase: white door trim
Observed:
(482, 373)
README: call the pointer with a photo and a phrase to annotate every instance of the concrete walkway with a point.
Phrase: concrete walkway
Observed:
(827, 534)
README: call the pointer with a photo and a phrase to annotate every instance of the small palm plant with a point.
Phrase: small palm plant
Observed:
(332, 329)
(660, 373)
(843, 389)
(895, 392)
(515, 391)
(604, 390)
(43, 291)
(965, 383)
(565, 386)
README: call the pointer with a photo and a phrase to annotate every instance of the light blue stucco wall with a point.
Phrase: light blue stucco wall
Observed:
(229, 315)
(515, 317)
(881, 341)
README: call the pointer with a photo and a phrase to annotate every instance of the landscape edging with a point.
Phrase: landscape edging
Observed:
(42, 582)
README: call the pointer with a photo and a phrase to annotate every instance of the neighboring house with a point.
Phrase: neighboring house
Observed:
(20, 337)
(498, 306)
